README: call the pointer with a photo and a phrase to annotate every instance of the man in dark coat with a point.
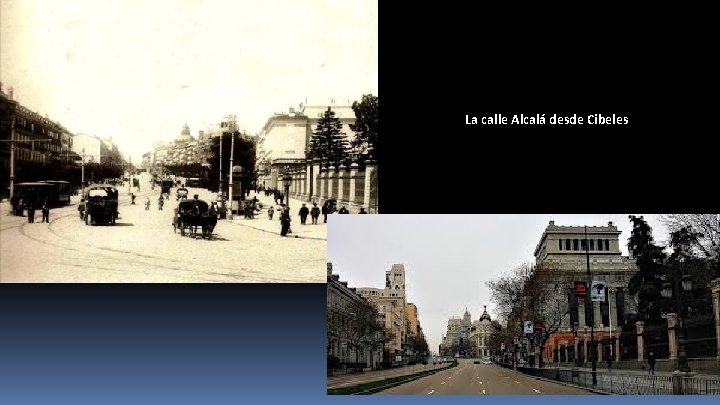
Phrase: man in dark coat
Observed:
(285, 221)
(45, 212)
(362, 211)
(304, 211)
(651, 363)
(343, 210)
(325, 212)
(31, 213)
(314, 213)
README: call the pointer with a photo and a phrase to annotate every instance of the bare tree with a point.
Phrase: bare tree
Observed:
(363, 323)
(707, 229)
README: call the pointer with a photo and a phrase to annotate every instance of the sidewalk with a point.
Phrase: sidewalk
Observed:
(347, 380)
(263, 223)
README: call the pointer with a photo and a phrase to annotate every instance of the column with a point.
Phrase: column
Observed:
(314, 177)
(585, 351)
(612, 308)
(581, 315)
(331, 173)
(322, 186)
(351, 179)
(598, 315)
(639, 329)
(575, 345)
(715, 288)
(673, 335)
(370, 168)
(341, 179)
(599, 354)
(565, 356)
(617, 346)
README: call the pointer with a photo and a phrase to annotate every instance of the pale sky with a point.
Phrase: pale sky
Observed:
(448, 258)
(138, 70)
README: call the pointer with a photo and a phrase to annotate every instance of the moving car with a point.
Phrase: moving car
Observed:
(101, 204)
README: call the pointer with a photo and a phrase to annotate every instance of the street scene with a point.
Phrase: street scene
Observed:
(182, 151)
(524, 304)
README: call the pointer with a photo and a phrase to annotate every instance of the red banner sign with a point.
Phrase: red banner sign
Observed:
(580, 291)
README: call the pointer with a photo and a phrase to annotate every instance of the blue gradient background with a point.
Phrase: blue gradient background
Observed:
(181, 344)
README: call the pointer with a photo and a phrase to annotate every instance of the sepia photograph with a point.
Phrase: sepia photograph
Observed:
(579, 304)
(183, 141)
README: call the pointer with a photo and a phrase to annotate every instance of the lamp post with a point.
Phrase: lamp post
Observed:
(592, 324)
(287, 180)
(684, 282)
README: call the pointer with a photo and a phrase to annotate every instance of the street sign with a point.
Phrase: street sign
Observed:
(597, 292)
(528, 328)
(580, 291)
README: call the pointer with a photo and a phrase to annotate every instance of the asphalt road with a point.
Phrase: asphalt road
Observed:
(481, 379)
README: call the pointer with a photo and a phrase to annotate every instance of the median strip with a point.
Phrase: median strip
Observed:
(379, 385)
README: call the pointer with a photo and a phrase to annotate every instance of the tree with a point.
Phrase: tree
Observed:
(244, 156)
(706, 227)
(366, 125)
(650, 259)
(328, 143)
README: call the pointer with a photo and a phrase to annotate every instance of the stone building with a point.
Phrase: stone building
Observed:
(391, 302)
(562, 258)
(480, 333)
(340, 300)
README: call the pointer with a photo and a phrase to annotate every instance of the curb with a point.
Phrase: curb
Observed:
(274, 232)
(395, 384)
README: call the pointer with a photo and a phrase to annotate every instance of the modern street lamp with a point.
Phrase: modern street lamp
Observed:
(684, 282)
(592, 324)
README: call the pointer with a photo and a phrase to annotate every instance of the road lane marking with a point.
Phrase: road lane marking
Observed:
(537, 391)
(442, 383)
(431, 391)
(483, 392)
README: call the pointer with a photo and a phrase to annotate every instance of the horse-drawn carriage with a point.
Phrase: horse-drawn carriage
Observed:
(100, 204)
(181, 194)
(191, 214)
(165, 186)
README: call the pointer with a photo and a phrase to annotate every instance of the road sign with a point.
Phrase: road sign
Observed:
(580, 291)
(528, 327)
(597, 292)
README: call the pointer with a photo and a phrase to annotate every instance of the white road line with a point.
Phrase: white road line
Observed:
(431, 392)
(442, 383)
(537, 391)
(483, 392)
(480, 382)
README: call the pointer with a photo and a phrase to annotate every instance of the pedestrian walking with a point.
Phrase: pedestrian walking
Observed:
(271, 211)
(31, 213)
(285, 221)
(132, 196)
(161, 201)
(343, 210)
(46, 212)
(314, 213)
(304, 211)
(147, 204)
(651, 363)
(325, 212)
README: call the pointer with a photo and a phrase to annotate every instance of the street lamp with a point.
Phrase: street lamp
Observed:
(684, 282)
(287, 180)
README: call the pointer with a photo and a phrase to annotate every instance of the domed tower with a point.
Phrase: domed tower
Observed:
(185, 135)
(484, 315)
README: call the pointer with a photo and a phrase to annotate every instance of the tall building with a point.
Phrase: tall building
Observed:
(561, 259)
(340, 301)
(458, 329)
(391, 303)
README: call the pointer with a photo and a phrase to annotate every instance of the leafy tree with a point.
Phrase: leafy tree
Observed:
(706, 228)
(244, 156)
(328, 143)
(366, 125)
(650, 259)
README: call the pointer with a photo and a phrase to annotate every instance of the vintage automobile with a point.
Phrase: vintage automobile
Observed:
(192, 214)
(165, 186)
(101, 204)
(181, 194)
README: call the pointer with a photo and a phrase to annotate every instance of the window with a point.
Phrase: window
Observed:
(560, 244)
(567, 244)
(607, 245)
(575, 244)
(599, 244)
(583, 244)
(592, 244)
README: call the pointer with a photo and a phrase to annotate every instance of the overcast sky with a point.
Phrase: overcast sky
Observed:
(448, 258)
(137, 70)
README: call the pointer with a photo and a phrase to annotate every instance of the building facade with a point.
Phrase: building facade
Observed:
(562, 259)
(480, 333)
(31, 159)
(391, 303)
(340, 301)
(284, 139)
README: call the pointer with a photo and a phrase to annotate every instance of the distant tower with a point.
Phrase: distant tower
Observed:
(395, 277)
(466, 317)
